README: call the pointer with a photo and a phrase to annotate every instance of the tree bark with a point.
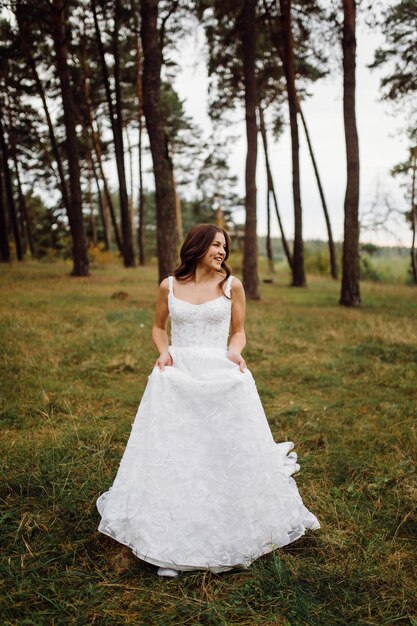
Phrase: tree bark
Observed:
(9, 189)
(269, 254)
(250, 251)
(104, 215)
(298, 274)
(130, 197)
(118, 147)
(332, 249)
(350, 292)
(272, 187)
(413, 217)
(52, 138)
(178, 211)
(25, 225)
(127, 235)
(22, 206)
(97, 147)
(75, 214)
(139, 94)
(141, 225)
(4, 240)
(167, 238)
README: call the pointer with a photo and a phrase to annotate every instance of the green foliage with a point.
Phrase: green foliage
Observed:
(367, 269)
(337, 382)
(399, 52)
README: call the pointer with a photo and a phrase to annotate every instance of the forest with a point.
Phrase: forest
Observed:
(87, 92)
(102, 172)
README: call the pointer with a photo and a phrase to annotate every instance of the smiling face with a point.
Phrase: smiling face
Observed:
(216, 253)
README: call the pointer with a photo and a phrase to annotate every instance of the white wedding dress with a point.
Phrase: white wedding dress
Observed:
(202, 484)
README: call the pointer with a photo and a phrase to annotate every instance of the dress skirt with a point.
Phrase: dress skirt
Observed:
(202, 484)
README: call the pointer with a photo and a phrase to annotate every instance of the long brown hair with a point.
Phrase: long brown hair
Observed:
(195, 246)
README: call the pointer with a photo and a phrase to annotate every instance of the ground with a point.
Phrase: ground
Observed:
(340, 383)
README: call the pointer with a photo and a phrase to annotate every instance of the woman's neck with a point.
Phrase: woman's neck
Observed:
(204, 275)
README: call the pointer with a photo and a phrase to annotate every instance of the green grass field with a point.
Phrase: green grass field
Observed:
(341, 384)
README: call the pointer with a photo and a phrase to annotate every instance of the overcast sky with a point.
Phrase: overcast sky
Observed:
(381, 146)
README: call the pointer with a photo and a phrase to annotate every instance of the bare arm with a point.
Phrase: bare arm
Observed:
(159, 333)
(237, 336)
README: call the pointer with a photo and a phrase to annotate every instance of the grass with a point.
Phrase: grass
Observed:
(340, 383)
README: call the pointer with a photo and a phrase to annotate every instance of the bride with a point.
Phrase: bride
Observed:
(202, 484)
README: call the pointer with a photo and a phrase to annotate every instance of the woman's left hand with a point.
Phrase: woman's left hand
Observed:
(237, 358)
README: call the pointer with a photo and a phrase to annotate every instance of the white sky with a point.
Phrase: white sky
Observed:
(381, 146)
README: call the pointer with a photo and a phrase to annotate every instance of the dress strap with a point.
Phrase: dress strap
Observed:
(228, 286)
(170, 283)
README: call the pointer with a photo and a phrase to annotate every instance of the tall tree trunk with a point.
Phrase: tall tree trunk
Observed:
(413, 216)
(141, 225)
(139, 94)
(167, 238)
(25, 225)
(22, 206)
(250, 248)
(178, 212)
(118, 147)
(127, 235)
(332, 250)
(75, 214)
(219, 211)
(28, 47)
(271, 186)
(350, 293)
(9, 189)
(298, 274)
(93, 225)
(130, 198)
(104, 214)
(269, 254)
(4, 240)
(52, 138)
(97, 148)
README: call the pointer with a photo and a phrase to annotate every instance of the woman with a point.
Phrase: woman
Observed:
(202, 484)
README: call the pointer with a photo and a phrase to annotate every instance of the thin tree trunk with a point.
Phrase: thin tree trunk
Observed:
(22, 206)
(272, 187)
(118, 146)
(141, 225)
(332, 249)
(250, 252)
(75, 214)
(25, 225)
(413, 218)
(219, 211)
(269, 254)
(97, 147)
(178, 212)
(167, 238)
(127, 235)
(130, 153)
(52, 138)
(93, 225)
(298, 274)
(105, 217)
(9, 190)
(350, 293)
(4, 240)
(139, 94)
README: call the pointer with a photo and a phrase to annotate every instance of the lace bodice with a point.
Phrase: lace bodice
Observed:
(204, 324)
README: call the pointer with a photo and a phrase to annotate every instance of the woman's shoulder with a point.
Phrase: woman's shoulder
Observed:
(164, 285)
(236, 284)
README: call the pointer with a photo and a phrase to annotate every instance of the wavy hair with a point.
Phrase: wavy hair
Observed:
(195, 246)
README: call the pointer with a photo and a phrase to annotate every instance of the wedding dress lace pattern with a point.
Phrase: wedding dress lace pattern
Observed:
(202, 484)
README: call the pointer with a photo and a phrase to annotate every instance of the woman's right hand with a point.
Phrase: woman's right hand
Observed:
(164, 359)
